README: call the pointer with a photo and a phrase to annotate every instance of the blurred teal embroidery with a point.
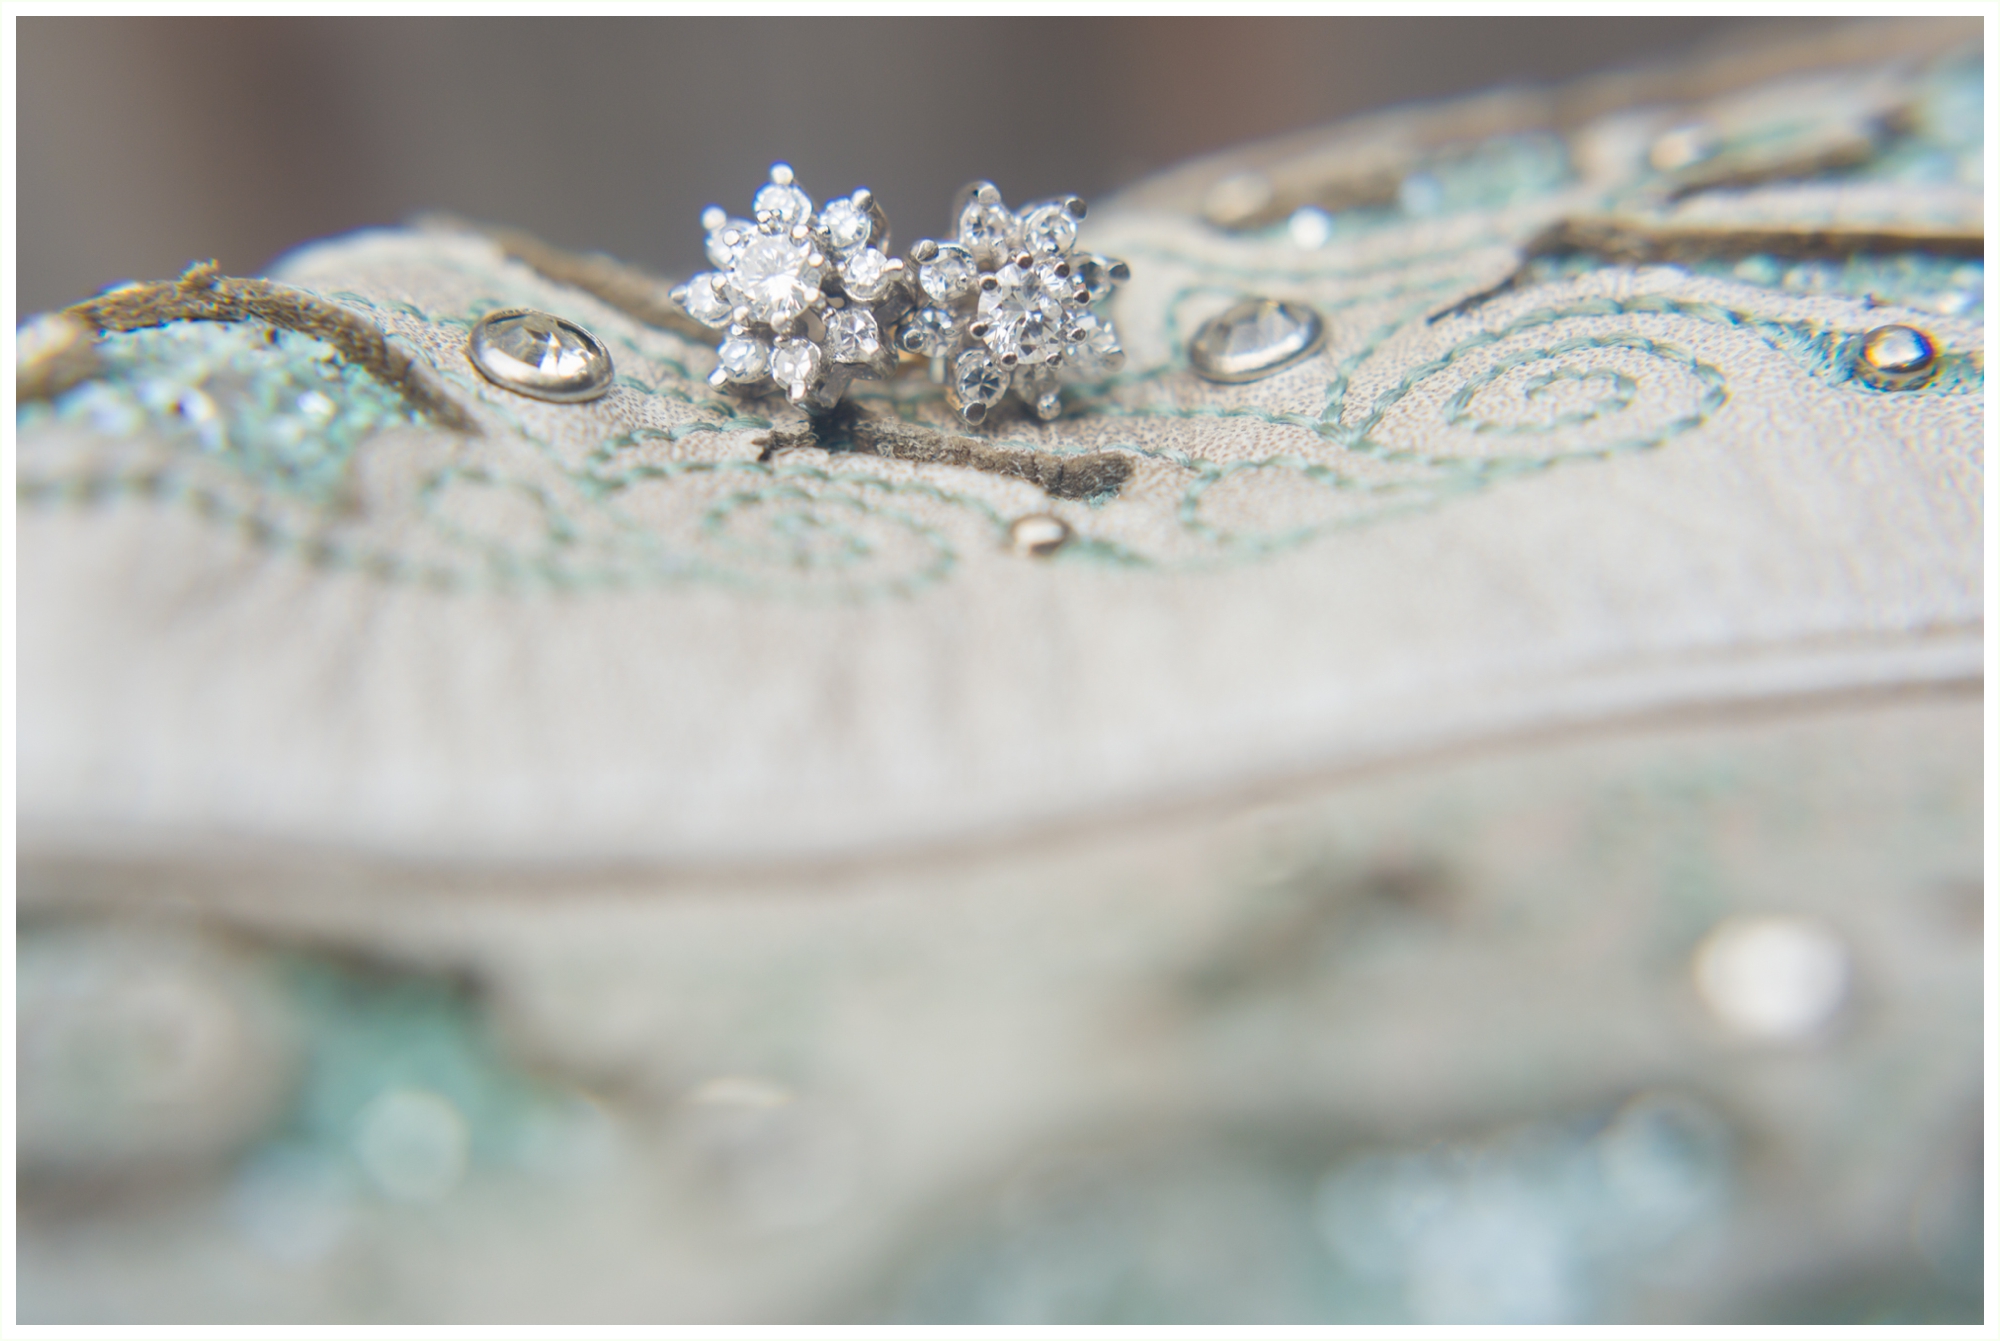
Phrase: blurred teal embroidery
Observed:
(281, 407)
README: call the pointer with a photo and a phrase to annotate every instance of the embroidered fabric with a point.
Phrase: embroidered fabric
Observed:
(860, 902)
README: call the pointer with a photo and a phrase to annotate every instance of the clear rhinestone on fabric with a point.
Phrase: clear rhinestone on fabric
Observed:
(1895, 358)
(540, 355)
(949, 275)
(744, 358)
(866, 275)
(1255, 338)
(847, 225)
(852, 336)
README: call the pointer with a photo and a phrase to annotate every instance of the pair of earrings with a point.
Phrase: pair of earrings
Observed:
(810, 299)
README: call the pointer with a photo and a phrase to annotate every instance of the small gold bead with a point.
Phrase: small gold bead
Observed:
(1039, 534)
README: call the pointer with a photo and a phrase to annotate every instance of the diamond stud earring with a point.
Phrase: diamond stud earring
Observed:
(806, 300)
(1007, 305)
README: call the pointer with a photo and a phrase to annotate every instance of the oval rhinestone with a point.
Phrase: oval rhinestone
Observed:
(540, 355)
(983, 229)
(1895, 358)
(1094, 273)
(1098, 352)
(1255, 338)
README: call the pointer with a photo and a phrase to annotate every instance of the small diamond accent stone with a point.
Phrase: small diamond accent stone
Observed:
(1049, 231)
(1255, 338)
(866, 275)
(744, 358)
(1098, 352)
(791, 205)
(983, 229)
(706, 303)
(928, 331)
(852, 336)
(847, 225)
(795, 363)
(540, 355)
(722, 253)
(977, 379)
(949, 275)
(1095, 276)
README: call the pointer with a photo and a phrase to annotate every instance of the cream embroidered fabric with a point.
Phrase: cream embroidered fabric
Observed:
(725, 761)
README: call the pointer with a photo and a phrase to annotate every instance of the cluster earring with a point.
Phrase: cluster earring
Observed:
(1010, 305)
(809, 301)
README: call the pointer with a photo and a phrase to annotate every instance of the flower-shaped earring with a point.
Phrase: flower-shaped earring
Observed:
(1009, 305)
(807, 301)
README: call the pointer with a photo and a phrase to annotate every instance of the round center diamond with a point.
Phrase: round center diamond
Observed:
(1024, 312)
(775, 277)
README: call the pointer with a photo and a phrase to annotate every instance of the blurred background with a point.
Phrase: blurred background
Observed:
(145, 143)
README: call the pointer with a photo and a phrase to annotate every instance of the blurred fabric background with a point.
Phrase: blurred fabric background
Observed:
(145, 143)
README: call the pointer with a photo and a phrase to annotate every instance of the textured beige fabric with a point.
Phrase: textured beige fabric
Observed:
(1365, 773)
(1413, 541)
